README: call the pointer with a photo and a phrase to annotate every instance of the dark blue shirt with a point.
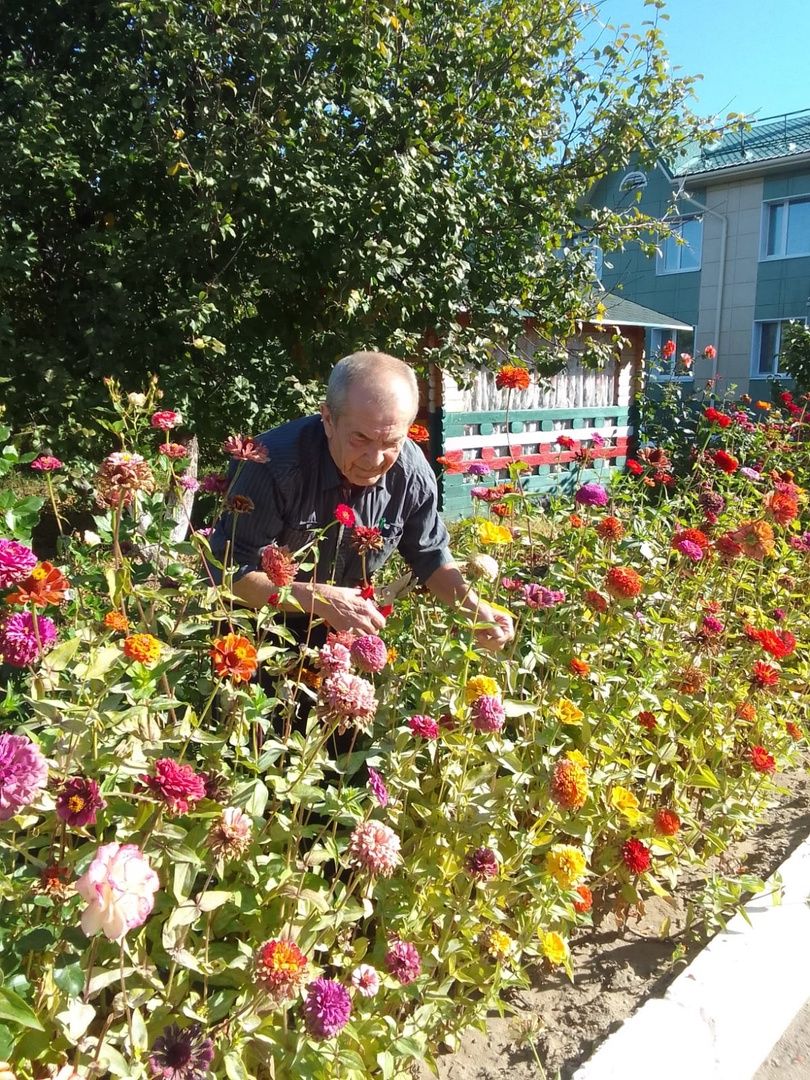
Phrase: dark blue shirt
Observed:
(295, 494)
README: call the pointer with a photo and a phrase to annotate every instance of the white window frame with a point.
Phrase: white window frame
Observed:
(660, 258)
(767, 205)
(756, 346)
(668, 335)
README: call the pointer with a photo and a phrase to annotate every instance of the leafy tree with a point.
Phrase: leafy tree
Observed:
(233, 193)
(794, 358)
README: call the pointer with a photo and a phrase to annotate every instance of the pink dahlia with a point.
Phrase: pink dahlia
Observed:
(24, 637)
(425, 727)
(23, 773)
(369, 652)
(487, 714)
(402, 961)
(374, 847)
(46, 463)
(178, 786)
(16, 562)
(348, 698)
(327, 1008)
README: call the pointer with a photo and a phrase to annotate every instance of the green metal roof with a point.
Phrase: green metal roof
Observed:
(768, 139)
(621, 312)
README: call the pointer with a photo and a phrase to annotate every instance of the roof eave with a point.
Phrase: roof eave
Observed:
(749, 168)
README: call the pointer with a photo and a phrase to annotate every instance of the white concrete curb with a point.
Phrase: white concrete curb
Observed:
(722, 1016)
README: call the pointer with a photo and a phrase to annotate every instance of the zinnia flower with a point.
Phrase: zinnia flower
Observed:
(711, 502)
(24, 636)
(490, 533)
(165, 419)
(610, 529)
(419, 433)
(692, 551)
(23, 773)
(348, 698)
(487, 714)
(334, 656)
(569, 785)
(636, 856)
(478, 468)
(365, 980)
(143, 648)
(482, 864)
(424, 726)
(712, 625)
(369, 653)
(116, 621)
(279, 565)
(234, 657)
(511, 377)
(595, 601)
(647, 719)
(119, 887)
(479, 685)
(668, 349)
(327, 1008)
(566, 864)
(764, 676)
(46, 463)
(175, 784)
(710, 352)
(585, 902)
(626, 803)
(591, 494)
(120, 476)
(783, 508)
(403, 962)
(78, 802)
(538, 596)
(580, 668)
(366, 538)
(215, 484)
(779, 643)
(16, 562)
(44, 585)
(279, 967)
(181, 1054)
(374, 847)
(377, 787)
(173, 450)
(568, 712)
(229, 837)
(240, 504)
(345, 515)
(666, 822)
(498, 944)
(724, 461)
(761, 760)
(245, 448)
(553, 947)
(623, 583)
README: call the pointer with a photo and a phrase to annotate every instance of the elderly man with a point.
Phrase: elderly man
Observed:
(356, 453)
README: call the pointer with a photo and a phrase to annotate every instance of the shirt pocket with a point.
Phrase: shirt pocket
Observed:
(297, 534)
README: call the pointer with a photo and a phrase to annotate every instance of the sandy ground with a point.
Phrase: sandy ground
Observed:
(790, 1058)
(615, 971)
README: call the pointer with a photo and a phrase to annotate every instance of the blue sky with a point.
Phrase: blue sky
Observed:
(752, 54)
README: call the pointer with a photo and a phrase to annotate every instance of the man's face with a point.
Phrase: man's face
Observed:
(366, 438)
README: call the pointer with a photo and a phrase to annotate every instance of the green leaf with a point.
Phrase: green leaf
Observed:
(13, 1008)
(234, 1069)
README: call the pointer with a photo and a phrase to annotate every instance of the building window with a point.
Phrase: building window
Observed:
(663, 367)
(786, 229)
(680, 252)
(767, 346)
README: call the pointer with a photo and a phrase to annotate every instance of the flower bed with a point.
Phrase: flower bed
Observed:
(197, 881)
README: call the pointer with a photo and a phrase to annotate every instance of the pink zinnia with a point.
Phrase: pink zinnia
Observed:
(374, 847)
(538, 596)
(173, 450)
(214, 483)
(165, 419)
(712, 625)
(591, 494)
(178, 786)
(16, 562)
(402, 961)
(424, 726)
(365, 980)
(23, 773)
(245, 448)
(369, 652)
(46, 463)
(347, 697)
(482, 864)
(334, 657)
(689, 548)
(327, 1008)
(79, 801)
(19, 644)
(488, 714)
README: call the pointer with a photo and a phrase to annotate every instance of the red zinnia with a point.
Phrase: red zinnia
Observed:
(727, 462)
(764, 675)
(635, 467)
(79, 801)
(178, 786)
(575, 521)
(279, 968)
(793, 730)
(761, 760)
(668, 349)
(595, 601)
(279, 565)
(636, 856)
(511, 377)
(647, 720)
(782, 507)
(367, 538)
(585, 902)
(610, 529)
(779, 643)
(623, 583)
(728, 546)
(419, 433)
(667, 822)
(710, 352)
(746, 711)
(579, 667)
(694, 536)
(345, 515)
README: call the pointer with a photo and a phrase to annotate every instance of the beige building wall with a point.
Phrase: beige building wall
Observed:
(740, 203)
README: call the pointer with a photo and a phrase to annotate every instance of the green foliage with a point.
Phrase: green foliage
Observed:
(794, 356)
(234, 195)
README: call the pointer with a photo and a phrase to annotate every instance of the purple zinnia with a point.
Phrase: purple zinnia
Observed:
(424, 726)
(712, 502)
(482, 864)
(369, 652)
(188, 482)
(779, 614)
(597, 439)
(478, 468)
(712, 625)
(16, 562)
(23, 773)
(591, 494)
(79, 801)
(214, 483)
(402, 961)
(181, 1054)
(750, 474)
(479, 492)
(538, 596)
(690, 549)
(487, 714)
(327, 1008)
(377, 787)
(19, 644)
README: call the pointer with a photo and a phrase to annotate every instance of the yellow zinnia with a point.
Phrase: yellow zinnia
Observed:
(499, 944)
(480, 686)
(490, 533)
(568, 713)
(553, 947)
(566, 864)
(578, 759)
(626, 803)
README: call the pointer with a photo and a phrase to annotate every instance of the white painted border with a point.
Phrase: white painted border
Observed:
(723, 1015)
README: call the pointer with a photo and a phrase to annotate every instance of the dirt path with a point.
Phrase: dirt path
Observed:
(615, 971)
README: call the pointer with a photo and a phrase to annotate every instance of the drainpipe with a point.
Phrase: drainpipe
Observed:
(721, 274)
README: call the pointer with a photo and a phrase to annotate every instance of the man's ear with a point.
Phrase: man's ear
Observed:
(326, 417)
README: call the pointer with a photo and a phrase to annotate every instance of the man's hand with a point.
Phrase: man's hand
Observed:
(345, 609)
(499, 630)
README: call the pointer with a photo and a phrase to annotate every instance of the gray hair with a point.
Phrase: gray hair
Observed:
(375, 371)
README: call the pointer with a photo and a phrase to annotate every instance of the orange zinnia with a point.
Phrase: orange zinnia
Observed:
(234, 658)
(44, 585)
(419, 433)
(142, 647)
(114, 620)
(755, 538)
(511, 377)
